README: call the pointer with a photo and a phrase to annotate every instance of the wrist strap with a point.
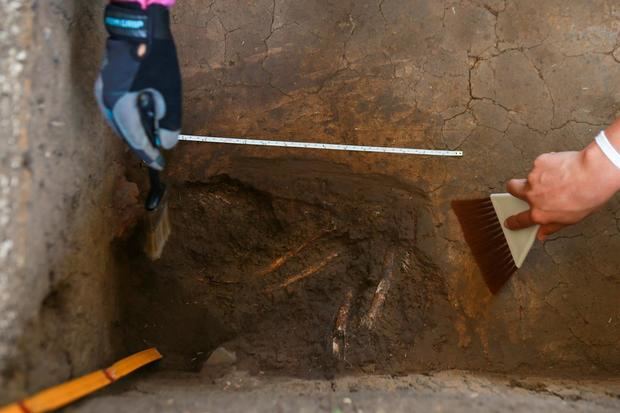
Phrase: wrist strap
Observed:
(130, 23)
(610, 152)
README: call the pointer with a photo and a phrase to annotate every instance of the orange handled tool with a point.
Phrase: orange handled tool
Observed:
(61, 395)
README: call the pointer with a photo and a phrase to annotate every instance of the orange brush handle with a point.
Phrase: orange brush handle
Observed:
(61, 395)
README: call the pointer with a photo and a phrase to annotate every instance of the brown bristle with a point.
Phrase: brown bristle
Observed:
(485, 237)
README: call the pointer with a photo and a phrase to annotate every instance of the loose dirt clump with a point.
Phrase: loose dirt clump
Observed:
(319, 273)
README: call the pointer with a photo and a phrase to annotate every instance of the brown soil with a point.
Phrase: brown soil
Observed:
(268, 271)
(501, 80)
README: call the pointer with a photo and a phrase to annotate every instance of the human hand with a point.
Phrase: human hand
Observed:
(563, 188)
(140, 56)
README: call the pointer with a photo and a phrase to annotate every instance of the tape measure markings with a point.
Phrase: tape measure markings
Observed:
(325, 146)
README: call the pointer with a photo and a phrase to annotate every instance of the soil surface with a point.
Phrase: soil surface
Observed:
(450, 391)
(60, 174)
(278, 253)
(270, 270)
(309, 264)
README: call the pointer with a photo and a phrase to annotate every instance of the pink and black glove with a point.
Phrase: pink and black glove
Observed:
(141, 64)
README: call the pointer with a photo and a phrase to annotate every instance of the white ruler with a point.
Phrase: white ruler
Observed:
(328, 146)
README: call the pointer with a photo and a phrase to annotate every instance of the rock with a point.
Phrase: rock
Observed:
(221, 356)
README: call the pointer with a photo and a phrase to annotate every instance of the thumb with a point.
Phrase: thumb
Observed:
(548, 229)
(520, 221)
(168, 138)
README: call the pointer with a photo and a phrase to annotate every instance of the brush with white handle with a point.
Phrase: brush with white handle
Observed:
(498, 251)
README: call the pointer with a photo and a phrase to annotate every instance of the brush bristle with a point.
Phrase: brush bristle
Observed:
(157, 231)
(485, 237)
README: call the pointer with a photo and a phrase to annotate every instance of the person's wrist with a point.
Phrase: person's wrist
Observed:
(129, 22)
(600, 167)
(144, 4)
(134, 5)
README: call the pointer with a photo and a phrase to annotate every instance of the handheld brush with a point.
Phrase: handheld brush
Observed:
(157, 219)
(498, 251)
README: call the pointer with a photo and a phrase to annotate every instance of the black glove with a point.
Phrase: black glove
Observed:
(141, 56)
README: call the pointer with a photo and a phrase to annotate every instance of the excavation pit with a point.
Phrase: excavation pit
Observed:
(324, 280)
(265, 271)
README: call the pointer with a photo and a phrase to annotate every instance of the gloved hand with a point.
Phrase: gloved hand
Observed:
(141, 56)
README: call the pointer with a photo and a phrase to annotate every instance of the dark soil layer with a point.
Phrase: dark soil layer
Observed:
(267, 272)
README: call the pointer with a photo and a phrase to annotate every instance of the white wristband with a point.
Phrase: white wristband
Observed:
(610, 152)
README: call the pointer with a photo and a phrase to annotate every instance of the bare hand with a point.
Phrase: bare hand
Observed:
(563, 188)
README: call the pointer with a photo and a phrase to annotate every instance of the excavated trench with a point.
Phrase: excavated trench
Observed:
(318, 280)
(328, 275)
(318, 273)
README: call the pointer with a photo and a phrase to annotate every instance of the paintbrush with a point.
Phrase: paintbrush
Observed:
(497, 250)
(157, 226)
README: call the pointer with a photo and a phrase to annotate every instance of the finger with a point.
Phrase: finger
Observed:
(168, 138)
(169, 120)
(518, 188)
(127, 118)
(520, 221)
(545, 230)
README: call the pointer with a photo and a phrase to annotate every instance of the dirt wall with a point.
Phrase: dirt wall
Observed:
(501, 80)
(58, 170)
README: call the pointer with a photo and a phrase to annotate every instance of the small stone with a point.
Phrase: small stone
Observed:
(221, 356)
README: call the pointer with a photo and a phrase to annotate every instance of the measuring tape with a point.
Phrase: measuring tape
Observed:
(327, 146)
